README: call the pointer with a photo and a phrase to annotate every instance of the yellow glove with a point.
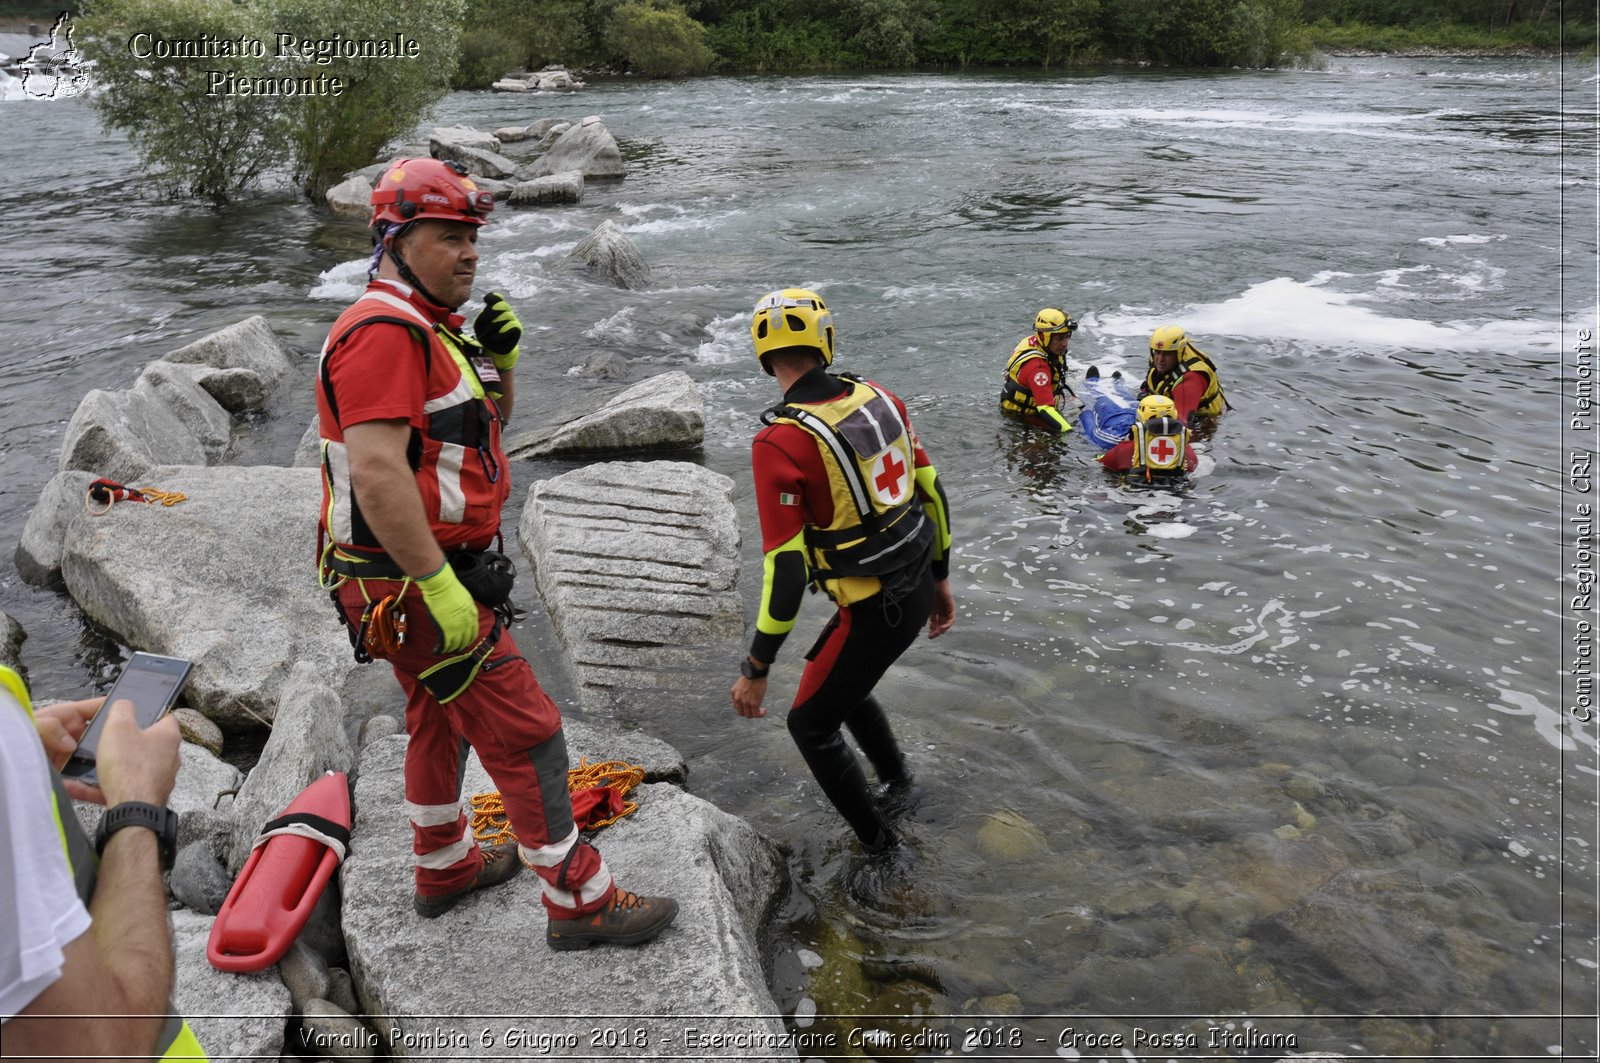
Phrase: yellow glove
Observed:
(452, 609)
(1062, 424)
(498, 330)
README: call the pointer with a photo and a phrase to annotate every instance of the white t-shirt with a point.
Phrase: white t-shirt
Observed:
(39, 907)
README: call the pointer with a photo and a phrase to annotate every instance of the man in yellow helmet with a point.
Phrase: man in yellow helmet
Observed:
(1036, 375)
(86, 966)
(849, 501)
(1157, 447)
(1185, 373)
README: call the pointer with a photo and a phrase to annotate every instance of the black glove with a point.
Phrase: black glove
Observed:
(498, 330)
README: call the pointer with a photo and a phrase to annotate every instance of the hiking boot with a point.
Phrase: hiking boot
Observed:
(627, 919)
(499, 864)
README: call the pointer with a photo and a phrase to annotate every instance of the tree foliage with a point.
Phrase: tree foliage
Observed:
(658, 39)
(192, 143)
(212, 141)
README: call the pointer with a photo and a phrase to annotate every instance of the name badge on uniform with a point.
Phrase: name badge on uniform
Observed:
(486, 370)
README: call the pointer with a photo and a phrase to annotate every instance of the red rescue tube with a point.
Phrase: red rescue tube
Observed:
(273, 896)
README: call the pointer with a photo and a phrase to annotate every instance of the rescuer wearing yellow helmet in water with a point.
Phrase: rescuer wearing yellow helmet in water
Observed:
(1036, 375)
(1184, 372)
(1157, 447)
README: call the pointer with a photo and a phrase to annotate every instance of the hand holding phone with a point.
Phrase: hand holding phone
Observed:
(151, 683)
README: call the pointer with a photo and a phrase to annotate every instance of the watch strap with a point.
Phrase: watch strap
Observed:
(157, 818)
(749, 670)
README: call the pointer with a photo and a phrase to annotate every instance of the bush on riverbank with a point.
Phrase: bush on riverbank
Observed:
(210, 125)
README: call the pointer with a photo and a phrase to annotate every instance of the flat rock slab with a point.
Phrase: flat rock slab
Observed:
(480, 979)
(638, 565)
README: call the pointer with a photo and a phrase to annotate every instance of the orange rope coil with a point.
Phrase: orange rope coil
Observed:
(491, 825)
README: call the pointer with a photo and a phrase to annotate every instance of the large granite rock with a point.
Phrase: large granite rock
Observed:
(352, 197)
(566, 187)
(488, 956)
(38, 553)
(610, 253)
(226, 579)
(249, 344)
(665, 412)
(587, 146)
(122, 434)
(638, 564)
(11, 639)
(178, 410)
(308, 739)
(233, 1016)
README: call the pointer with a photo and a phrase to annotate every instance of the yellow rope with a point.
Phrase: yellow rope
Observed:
(491, 825)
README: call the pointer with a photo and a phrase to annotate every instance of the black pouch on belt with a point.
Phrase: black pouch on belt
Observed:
(486, 574)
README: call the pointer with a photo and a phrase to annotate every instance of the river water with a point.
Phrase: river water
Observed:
(1280, 762)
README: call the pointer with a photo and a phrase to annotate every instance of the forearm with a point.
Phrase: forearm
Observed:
(132, 934)
(120, 970)
(392, 507)
(508, 392)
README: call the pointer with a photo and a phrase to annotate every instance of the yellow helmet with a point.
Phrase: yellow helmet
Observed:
(794, 317)
(1168, 338)
(1050, 321)
(1156, 406)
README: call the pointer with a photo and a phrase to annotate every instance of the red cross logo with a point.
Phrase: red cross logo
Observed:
(1162, 451)
(888, 480)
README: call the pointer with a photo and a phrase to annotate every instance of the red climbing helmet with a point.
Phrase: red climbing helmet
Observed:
(413, 189)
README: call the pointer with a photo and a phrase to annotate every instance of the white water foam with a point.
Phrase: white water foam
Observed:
(729, 342)
(1314, 313)
(344, 282)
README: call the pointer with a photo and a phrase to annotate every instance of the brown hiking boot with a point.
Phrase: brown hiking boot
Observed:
(499, 864)
(627, 919)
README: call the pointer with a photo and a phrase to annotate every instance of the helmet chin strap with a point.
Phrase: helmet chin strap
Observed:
(391, 247)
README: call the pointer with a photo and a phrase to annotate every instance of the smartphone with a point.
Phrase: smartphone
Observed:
(152, 683)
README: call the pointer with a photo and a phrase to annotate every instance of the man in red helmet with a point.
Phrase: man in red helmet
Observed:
(414, 478)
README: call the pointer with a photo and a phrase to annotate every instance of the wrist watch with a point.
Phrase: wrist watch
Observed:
(750, 671)
(163, 821)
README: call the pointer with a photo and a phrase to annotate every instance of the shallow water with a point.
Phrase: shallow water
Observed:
(1285, 752)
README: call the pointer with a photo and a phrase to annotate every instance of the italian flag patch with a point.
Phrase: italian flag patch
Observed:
(786, 499)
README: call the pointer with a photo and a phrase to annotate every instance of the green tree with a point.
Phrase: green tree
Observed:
(193, 143)
(887, 32)
(213, 140)
(383, 97)
(658, 40)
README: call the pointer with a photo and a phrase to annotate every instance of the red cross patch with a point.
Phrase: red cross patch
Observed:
(889, 477)
(1162, 451)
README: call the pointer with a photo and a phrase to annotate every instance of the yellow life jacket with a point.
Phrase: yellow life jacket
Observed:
(1192, 359)
(1158, 449)
(879, 530)
(1014, 397)
(176, 1041)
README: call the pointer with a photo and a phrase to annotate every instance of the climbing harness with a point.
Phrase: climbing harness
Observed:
(599, 798)
(104, 493)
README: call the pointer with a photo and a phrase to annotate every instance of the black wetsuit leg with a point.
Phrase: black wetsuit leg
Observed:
(869, 726)
(853, 652)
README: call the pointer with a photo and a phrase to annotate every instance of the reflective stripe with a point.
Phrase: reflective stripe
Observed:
(433, 815)
(450, 855)
(847, 461)
(913, 531)
(336, 467)
(452, 499)
(549, 856)
(462, 392)
(394, 302)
